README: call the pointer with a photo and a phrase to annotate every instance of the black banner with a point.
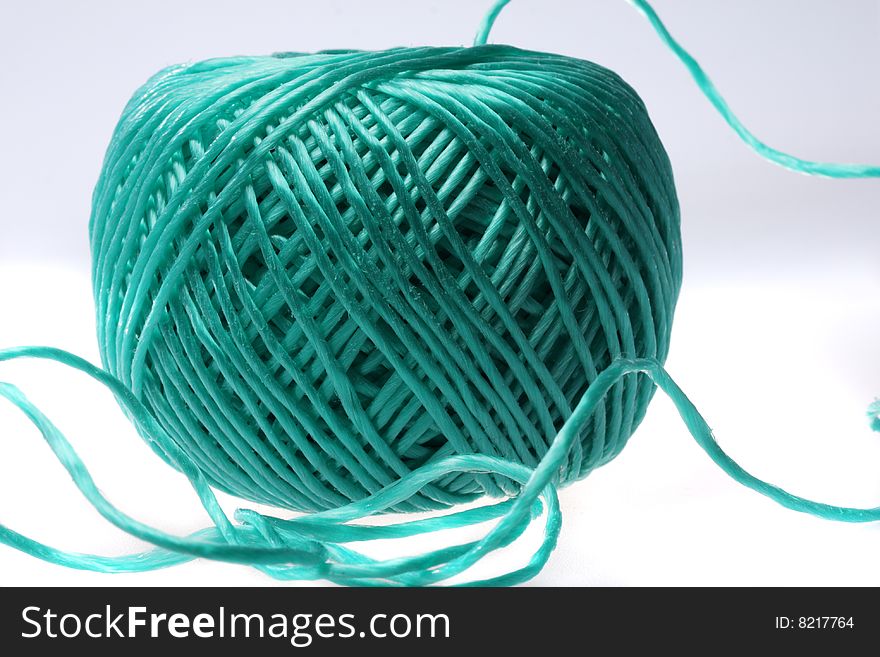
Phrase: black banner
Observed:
(281, 621)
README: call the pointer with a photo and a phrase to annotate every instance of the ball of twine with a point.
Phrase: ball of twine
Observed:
(321, 272)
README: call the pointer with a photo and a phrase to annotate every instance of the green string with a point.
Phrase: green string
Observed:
(357, 283)
(708, 88)
(711, 92)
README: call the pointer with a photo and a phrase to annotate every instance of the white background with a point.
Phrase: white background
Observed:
(775, 336)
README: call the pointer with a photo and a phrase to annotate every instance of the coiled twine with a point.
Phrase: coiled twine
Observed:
(320, 272)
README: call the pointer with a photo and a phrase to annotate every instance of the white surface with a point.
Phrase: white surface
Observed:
(775, 336)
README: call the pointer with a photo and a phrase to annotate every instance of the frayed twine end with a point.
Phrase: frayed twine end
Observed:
(874, 414)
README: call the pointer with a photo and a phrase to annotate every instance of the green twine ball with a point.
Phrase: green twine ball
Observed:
(321, 271)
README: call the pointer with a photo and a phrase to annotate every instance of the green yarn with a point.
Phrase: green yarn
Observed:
(434, 255)
(828, 169)
(353, 283)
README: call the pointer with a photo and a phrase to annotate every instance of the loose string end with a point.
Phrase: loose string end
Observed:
(488, 21)
(874, 414)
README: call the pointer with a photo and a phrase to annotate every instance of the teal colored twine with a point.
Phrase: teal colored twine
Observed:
(488, 21)
(874, 414)
(827, 169)
(412, 293)
(355, 283)
(711, 92)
